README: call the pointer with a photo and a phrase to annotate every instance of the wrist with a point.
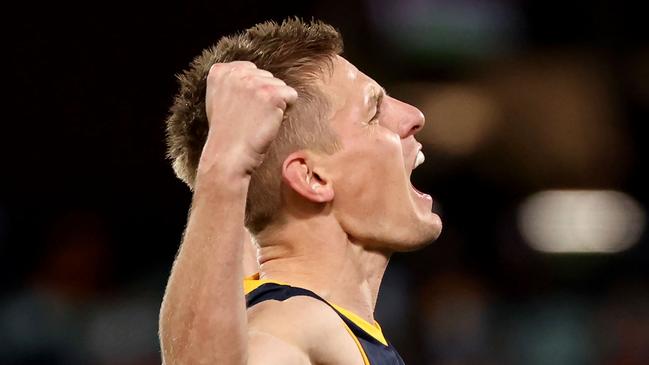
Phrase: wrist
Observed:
(221, 169)
(221, 177)
(233, 159)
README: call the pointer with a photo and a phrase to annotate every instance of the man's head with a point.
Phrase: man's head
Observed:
(332, 156)
(369, 176)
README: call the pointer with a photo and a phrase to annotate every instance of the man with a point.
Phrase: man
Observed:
(274, 129)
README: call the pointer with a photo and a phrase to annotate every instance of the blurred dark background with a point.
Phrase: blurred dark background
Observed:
(535, 144)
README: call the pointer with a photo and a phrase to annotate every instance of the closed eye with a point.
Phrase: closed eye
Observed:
(375, 118)
(377, 114)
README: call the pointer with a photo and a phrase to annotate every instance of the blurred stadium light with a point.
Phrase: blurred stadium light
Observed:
(447, 28)
(463, 117)
(581, 221)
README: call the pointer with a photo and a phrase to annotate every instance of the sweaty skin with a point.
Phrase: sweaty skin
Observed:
(344, 215)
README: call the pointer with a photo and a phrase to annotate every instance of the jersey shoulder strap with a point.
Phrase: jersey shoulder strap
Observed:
(273, 291)
(374, 349)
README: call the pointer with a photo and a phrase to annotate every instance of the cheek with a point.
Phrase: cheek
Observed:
(370, 169)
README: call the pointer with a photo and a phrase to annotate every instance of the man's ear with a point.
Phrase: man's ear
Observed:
(302, 174)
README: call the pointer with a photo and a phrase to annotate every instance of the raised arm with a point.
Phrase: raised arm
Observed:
(203, 317)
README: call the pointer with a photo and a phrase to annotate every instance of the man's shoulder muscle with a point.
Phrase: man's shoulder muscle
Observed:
(302, 325)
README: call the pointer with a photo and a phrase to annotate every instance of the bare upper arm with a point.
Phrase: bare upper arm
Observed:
(268, 349)
(300, 330)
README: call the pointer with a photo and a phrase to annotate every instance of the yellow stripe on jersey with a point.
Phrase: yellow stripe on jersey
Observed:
(366, 361)
(253, 282)
(373, 330)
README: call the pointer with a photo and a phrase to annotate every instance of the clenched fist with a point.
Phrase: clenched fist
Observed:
(245, 107)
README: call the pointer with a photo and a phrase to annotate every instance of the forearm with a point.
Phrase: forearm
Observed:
(203, 317)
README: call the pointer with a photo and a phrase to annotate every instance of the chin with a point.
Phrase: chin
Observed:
(418, 235)
(434, 230)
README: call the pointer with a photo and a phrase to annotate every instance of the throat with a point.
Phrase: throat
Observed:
(350, 281)
(318, 255)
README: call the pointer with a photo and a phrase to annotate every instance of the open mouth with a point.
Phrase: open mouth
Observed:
(419, 159)
(420, 194)
(417, 191)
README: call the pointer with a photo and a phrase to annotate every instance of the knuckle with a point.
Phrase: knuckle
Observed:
(248, 63)
(248, 80)
(265, 92)
(269, 94)
(238, 74)
(215, 69)
(243, 64)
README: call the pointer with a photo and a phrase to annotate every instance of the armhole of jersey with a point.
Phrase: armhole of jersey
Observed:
(252, 283)
(358, 344)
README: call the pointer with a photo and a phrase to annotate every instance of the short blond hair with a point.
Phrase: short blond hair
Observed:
(294, 51)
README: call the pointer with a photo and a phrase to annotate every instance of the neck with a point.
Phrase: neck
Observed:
(316, 254)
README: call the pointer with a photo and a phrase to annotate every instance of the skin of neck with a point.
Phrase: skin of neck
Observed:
(315, 253)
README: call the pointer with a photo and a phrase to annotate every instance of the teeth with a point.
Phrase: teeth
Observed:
(420, 159)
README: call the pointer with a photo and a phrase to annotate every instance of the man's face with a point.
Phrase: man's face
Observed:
(374, 199)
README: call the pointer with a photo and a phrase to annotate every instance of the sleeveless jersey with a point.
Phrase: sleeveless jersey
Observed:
(374, 348)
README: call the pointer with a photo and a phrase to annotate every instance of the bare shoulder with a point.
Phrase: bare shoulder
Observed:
(303, 325)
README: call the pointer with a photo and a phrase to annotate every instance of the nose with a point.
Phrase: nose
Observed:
(412, 120)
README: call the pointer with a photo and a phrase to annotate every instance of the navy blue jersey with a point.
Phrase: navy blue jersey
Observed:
(374, 348)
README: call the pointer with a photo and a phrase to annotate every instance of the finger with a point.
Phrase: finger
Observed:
(270, 81)
(242, 64)
(278, 96)
(288, 94)
(258, 82)
(261, 73)
(220, 68)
